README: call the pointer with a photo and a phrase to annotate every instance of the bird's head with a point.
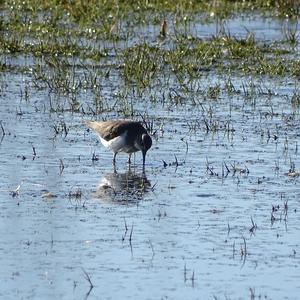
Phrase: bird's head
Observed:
(146, 142)
(145, 145)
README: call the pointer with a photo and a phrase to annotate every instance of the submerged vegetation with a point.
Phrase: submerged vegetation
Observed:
(73, 46)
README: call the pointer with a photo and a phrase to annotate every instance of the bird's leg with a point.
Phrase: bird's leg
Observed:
(129, 158)
(115, 170)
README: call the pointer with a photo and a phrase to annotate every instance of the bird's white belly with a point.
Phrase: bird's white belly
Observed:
(118, 144)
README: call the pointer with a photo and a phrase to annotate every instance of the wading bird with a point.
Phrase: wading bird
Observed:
(122, 136)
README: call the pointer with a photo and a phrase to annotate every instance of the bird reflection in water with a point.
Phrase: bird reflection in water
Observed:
(123, 188)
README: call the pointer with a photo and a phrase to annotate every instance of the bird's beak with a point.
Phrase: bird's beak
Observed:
(144, 158)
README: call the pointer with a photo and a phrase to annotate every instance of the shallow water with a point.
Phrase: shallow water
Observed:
(178, 231)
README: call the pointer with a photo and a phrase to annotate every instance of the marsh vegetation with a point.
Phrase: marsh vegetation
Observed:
(215, 216)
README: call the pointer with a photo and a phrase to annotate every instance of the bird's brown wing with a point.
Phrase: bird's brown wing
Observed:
(111, 129)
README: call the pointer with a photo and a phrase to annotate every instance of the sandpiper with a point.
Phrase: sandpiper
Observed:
(122, 136)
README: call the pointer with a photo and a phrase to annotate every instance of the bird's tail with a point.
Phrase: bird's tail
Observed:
(96, 126)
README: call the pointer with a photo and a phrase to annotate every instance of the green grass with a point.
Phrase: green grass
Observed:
(104, 19)
(87, 12)
(188, 60)
(140, 63)
(97, 33)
